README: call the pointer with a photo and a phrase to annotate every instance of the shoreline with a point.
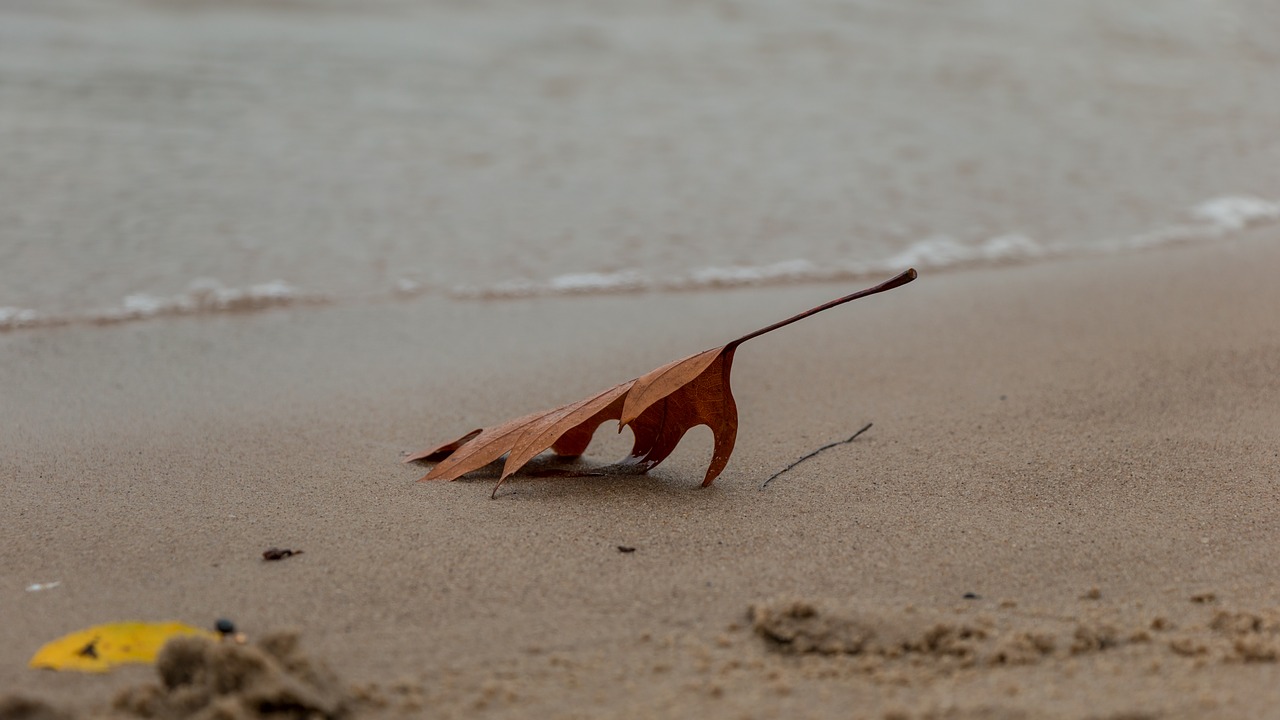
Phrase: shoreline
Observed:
(1217, 220)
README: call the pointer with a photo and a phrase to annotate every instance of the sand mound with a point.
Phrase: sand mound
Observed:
(996, 638)
(201, 678)
(802, 626)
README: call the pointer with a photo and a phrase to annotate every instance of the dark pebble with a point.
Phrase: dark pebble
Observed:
(224, 626)
(279, 554)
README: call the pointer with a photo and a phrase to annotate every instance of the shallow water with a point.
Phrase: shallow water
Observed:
(181, 156)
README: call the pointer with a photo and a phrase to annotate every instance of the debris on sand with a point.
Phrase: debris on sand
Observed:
(202, 678)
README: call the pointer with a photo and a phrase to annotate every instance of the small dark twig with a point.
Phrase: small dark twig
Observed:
(828, 446)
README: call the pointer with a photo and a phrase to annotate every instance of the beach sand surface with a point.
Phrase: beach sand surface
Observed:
(1088, 447)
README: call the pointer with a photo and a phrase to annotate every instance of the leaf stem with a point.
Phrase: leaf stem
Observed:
(898, 280)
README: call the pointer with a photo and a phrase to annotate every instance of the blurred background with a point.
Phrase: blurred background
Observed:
(489, 147)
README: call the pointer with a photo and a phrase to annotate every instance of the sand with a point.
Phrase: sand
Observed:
(1070, 487)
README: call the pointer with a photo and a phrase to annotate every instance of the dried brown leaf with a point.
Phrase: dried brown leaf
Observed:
(659, 407)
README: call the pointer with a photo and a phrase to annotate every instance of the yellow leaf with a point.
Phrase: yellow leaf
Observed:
(102, 647)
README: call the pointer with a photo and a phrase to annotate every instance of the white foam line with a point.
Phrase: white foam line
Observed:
(785, 271)
(203, 296)
(937, 252)
(1237, 212)
(12, 318)
(1214, 219)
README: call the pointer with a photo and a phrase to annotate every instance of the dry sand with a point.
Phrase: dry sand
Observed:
(1088, 446)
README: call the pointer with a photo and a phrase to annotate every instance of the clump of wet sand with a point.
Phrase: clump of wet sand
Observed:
(204, 679)
(1002, 637)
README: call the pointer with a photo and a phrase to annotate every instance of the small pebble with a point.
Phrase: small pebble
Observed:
(278, 553)
(224, 626)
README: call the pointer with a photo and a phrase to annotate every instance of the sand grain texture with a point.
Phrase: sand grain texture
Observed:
(1113, 513)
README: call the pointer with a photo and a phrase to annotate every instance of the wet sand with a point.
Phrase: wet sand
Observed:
(1086, 446)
